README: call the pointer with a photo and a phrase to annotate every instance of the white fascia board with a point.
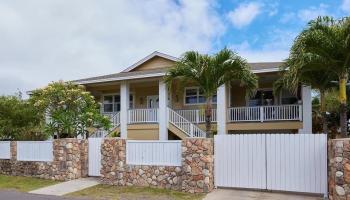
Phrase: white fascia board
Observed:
(257, 71)
(145, 59)
(122, 78)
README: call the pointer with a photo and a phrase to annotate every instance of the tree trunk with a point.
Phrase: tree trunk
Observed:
(208, 111)
(323, 112)
(343, 106)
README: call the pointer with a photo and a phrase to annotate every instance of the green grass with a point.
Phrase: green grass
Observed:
(117, 192)
(23, 184)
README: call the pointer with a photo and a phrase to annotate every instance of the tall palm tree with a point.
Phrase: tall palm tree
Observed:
(209, 73)
(294, 74)
(324, 45)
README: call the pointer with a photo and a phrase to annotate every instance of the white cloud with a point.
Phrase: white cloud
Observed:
(313, 12)
(274, 49)
(244, 14)
(43, 41)
(346, 5)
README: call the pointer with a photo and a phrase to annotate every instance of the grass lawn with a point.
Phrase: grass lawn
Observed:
(133, 193)
(23, 184)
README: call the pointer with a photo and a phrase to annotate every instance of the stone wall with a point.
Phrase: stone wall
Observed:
(70, 158)
(339, 169)
(195, 175)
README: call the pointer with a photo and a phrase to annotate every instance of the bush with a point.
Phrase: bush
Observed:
(19, 120)
(69, 109)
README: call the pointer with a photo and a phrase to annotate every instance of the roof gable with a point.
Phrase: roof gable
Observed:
(155, 60)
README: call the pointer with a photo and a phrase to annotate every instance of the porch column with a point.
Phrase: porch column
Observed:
(307, 110)
(163, 111)
(221, 109)
(124, 107)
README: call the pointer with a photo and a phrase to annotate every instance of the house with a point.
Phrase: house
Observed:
(141, 107)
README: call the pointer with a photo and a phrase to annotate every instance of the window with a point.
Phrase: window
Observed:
(194, 95)
(111, 103)
(288, 98)
(262, 97)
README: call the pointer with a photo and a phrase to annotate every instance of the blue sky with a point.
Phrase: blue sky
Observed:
(43, 41)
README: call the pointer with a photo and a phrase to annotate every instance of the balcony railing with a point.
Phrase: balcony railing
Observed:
(265, 113)
(196, 116)
(143, 116)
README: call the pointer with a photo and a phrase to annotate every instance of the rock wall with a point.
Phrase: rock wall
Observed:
(339, 169)
(195, 175)
(69, 162)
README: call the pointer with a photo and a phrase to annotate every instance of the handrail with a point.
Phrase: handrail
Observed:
(196, 115)
(149, 115)
(184, 125)
(266, 113)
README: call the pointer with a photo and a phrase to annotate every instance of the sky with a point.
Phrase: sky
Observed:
(49, 40)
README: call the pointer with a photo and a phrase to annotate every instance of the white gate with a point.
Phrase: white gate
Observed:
(95, 156)
(283, 162)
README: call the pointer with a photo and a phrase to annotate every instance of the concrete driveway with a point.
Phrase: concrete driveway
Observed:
(231, 194)
(15, 195)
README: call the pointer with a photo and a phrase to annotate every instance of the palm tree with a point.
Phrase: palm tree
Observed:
(294, 74)
(324, 46)
(209, 73)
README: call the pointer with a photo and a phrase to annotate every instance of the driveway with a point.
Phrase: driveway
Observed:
(14, 195)
(231, 194)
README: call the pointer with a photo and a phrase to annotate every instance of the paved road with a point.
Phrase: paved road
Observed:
(231, 194)
(13, 195)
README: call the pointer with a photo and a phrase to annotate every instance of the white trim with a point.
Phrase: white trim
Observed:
(257, 71)
(152, 55)
(149, 97)
(158, 74)
(122, 78)
(193, 104)
(114, 94)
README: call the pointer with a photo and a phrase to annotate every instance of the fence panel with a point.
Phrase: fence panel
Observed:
(5, 150)
(35, 151)
(163, 153)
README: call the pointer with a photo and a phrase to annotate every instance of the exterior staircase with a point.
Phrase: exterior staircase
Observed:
(101, 133)
(181, 127)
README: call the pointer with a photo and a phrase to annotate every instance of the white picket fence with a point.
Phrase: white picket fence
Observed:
(34, 151)
(282, 162)
(153, 152)
(5, 150)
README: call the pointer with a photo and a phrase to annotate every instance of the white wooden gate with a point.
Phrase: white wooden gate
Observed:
(282, 162)
(95, 156)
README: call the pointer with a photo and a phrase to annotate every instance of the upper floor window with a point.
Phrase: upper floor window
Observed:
(262, 97)
(111, 103)
(194, 95)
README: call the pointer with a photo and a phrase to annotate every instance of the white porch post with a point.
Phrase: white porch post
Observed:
(124, 107)
(163, 111)
(307, 110)
(221, 109)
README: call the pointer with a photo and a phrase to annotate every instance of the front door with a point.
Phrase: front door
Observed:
(153, 101)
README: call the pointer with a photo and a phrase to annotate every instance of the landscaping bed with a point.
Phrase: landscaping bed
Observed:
(133, 193)
(23, 184)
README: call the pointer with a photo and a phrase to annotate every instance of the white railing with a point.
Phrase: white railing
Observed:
(265, 113)
(282, 112)
(244, 114)
(184, 125)
(196, 116)
(116, 120)
(143, 116)
(163, 153)
(34, 151)
(5, 150)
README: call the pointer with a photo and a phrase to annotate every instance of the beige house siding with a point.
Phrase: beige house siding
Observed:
(265, 125)
(154, 63)
(143, 132)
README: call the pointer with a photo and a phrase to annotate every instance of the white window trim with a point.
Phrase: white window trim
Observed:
(113, 94)
(192, 104)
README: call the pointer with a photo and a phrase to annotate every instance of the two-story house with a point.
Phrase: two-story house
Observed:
(141, 106)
